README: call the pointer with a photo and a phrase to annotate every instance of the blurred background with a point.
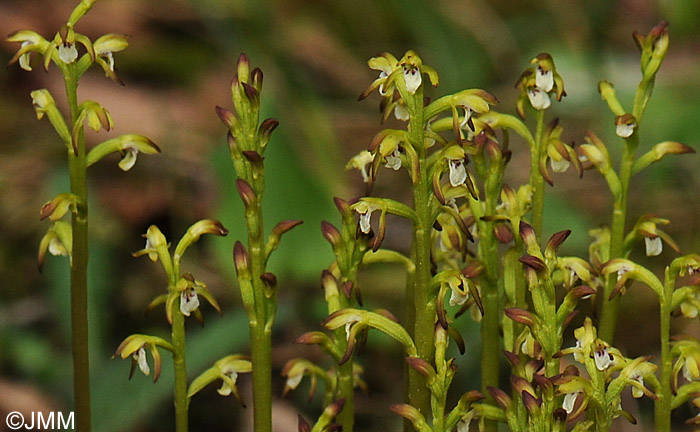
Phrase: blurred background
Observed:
(313, 53)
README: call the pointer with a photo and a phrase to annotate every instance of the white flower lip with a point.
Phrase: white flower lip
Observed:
(189, 302)
(140, 357)
(654, 246)
(458, 172)
(544, 80)
(413, 78)
(67, 52)
(539, 99)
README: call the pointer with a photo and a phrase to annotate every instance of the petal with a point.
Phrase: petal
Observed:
(400, 112)
(140, 357)
(602, 359)
(559, 166)
(413, 78)
(569, 401)
(67, 52)
(654, 247)
(544, 79)
(458, 172)
(189, 302)
(624, 130)
(365, 221)
(129, 159)
(393, 160)
(539, 99)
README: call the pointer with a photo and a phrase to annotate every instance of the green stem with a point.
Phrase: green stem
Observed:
(180, 368)
(536, 179)
(77, 164)
(610, 308)
(424, 308)
(261, 325)
(488, 252)
(662, 406)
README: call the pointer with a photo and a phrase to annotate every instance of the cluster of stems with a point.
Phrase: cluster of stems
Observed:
(476, 247)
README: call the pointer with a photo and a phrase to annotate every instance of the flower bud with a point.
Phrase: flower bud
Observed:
(265, 131)
(241, 261)
(228, 118)
(246, 193)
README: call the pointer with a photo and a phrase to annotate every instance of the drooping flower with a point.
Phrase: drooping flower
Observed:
(625, 125)
(189, 302)
(361, 162)
(365, 211)
(141, 361)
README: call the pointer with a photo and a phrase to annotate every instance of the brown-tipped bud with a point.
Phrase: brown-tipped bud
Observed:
(512, 357)
(265, 131)
(335, 408)
(228, 118)
(422, 367)
(559, 415)
(503, 233)
(243, 66)
(543, 382)
(532, 404)
(303, 425)
(331, 233)
(329, 283)
(342, 206)
(347, 288)
(251, 93)
(241, 260)
(408, 412)
(555, 241)
(312, 338)
(246, 193)
(256, 76)
(527, 232)
(473, 270)
(253, 157)
(533, 262)
(500, 397)
(583, 291)
(269, 279)
(570, 370)
(520, 315)
(521, 385)
(285, 226)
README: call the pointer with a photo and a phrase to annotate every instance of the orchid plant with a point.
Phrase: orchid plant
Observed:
(476, 250)
(73, 54)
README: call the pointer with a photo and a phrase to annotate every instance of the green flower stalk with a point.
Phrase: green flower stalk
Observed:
(73, 53)
(181, 300)
(536, 84)
(248, 138)
(653, 49)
